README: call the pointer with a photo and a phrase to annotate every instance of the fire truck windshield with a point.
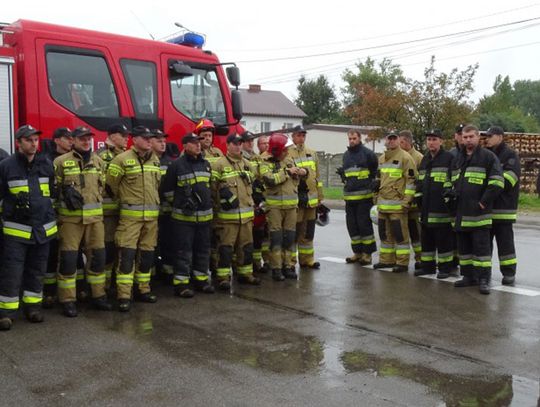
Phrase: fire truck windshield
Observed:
(199, 95)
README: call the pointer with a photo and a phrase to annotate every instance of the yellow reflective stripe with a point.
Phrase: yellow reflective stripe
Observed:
(223, 271)
(192, 218)
(124, 278)
(16, 190)
(236, 215)
(99, 279)
(475, 174)
(508, 262)
(115, 170)
(139, 214)
(496, 182)
(80, 212)
(67, 283)
(142, 277)
(9, 305)
(359, 174)
(393, 172)
(17, 230)
(475, 223)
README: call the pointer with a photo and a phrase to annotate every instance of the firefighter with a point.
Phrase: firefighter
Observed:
(310, 195)
(206, 130)
(505, 206)
(406, 144)
(281, 177)
(458, 140)
(133, 179)
(164, 253)
(357, 173)
(26, 192)
(80, 180)
(477, 180)
(232, 183)
(63, 142)
(115, 144)
(259, 220)
(187, 188)
(434, 178)
(260, 225)
(395, 192)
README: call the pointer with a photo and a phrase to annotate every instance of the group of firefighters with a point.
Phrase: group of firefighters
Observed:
(448, 206)
(78, 223)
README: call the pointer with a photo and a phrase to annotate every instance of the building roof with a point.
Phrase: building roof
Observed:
(340, 128)
(271, 103)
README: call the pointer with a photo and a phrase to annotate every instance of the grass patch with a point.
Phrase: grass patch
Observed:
(333, 192)
(529, 202)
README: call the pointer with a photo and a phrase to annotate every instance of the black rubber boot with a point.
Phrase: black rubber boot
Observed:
(383, 266)
(69, 309)
(400, 269)
(508, 280)
(101, 304)
(146, 297)
(5, 324)
(484, 286)
(124, 305)
(277, 275)
(290, 273)
(249, 279)
(466, 282)
(422, 272)
(204, 287)
(183, 291)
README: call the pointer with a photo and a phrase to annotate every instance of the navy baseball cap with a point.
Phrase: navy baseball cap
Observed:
(26, 131)
(82, 131)
(62, 132)
(190, 138)
(118, 128)
(235, 138)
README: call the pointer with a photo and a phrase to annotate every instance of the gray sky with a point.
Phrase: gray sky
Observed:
(250, 30)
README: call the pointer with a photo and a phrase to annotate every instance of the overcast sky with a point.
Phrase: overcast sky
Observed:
(245, 31)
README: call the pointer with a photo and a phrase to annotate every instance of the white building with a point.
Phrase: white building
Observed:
(266, 110)
(332, 138)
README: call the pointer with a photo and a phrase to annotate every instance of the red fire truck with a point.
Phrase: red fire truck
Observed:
(53, 76)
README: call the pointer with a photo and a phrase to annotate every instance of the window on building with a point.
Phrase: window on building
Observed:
(82, 83)
(141, 79)
(265, 126)
(288, 125)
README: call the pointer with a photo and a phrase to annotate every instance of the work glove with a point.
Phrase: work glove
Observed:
(341, 172)
(22, 205)
(227, 199)
(72, 198)
(450, 199)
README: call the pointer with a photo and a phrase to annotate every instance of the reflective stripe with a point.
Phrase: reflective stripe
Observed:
(504, 214)
(16, 186)
(223, 271)
(476, 221)
(434, 217)
(508, 260)
(282, 200)
(392, 172)
(94, 209)
(177, 280)
(389, 204)
(410, 189)
(139, 211)
(402, 249)
(17, 230)
(126, 279)
(428, 256)
(115, 170)
(9, 303)
(197, 216)
(50, 228)
(305, 249)
(481, 261)
(511, 177)
(67, 283)
(358, 172)
(233, 214)
(110, 204)
(142, 277)
(357, 195)
(96, 279)
(30, 297)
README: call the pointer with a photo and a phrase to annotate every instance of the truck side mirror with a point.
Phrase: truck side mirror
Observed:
(233, 74)
(180, 70)
(236, 98)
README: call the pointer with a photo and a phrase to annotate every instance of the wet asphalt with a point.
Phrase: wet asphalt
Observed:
(343, 335)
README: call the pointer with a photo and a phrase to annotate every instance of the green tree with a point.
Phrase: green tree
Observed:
(318, 100)
(527, 97)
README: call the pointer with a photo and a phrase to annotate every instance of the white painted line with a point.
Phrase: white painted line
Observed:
(516, 290)
(334, 260)
(370, 266)
(450, 279)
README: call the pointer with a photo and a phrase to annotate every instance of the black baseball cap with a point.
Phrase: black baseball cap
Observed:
(26, 131)
(495, 130)
(118, 128)
(459, 128)
(142, 132)
(391, 134)
(434, 133)
(158, 133)
(82, 131)
(62, 132)
(234, 138)
(190, 138)
(299, 129)
(247, 136)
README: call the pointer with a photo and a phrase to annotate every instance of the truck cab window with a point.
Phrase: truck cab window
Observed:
(198, 96)
(82, 84)
(141, 79)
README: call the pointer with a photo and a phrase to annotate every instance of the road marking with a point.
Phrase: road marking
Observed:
(517, 290)
(452, 279)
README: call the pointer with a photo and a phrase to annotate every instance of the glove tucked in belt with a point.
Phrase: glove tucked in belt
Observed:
(72, 198)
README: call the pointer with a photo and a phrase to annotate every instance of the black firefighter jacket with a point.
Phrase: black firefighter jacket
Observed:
(505, 206)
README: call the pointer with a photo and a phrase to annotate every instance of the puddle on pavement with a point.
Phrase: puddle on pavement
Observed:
(259, 346)
(455, 390)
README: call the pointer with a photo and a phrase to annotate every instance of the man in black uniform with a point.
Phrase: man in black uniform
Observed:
(505, 206)
(434, 174)
(26, 188)
(477, 180)
(358, 172)
(187, 188)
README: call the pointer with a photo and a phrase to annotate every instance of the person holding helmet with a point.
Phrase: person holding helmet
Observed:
(187, 189)
(310, 195)
(29, 224)
(505, 206)
(79, 179)
(281, 177)
(133, 179)
(434, 178)
(165, 252)
(232, 183)
(115, 144)
(395, 192)
(357, 173)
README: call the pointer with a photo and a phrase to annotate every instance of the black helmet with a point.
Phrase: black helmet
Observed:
(323, 217)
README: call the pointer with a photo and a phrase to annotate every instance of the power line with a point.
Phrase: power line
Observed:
(388, 45)
(318, 45)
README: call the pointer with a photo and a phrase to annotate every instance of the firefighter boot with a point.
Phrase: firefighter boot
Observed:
(101, 303)
(5, 324)
(290, 272)
(223, 284)
(400, 269)
(249, 279)
(48, 302)
(354, 258)
(277, 275)
(484, 286)
(365, 259)
(383, 266)
(69, 309)
(508, 280)
(146, 297)
(204, 287)
(33, 313)
(183, 291)
(466, 281)
(314, 266)
(124, 305)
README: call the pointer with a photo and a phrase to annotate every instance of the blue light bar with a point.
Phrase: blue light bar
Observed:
(189, 39)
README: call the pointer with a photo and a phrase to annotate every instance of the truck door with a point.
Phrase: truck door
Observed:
(6, 104)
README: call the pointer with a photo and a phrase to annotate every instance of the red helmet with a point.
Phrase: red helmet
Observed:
(204, 125)
(276, 144)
